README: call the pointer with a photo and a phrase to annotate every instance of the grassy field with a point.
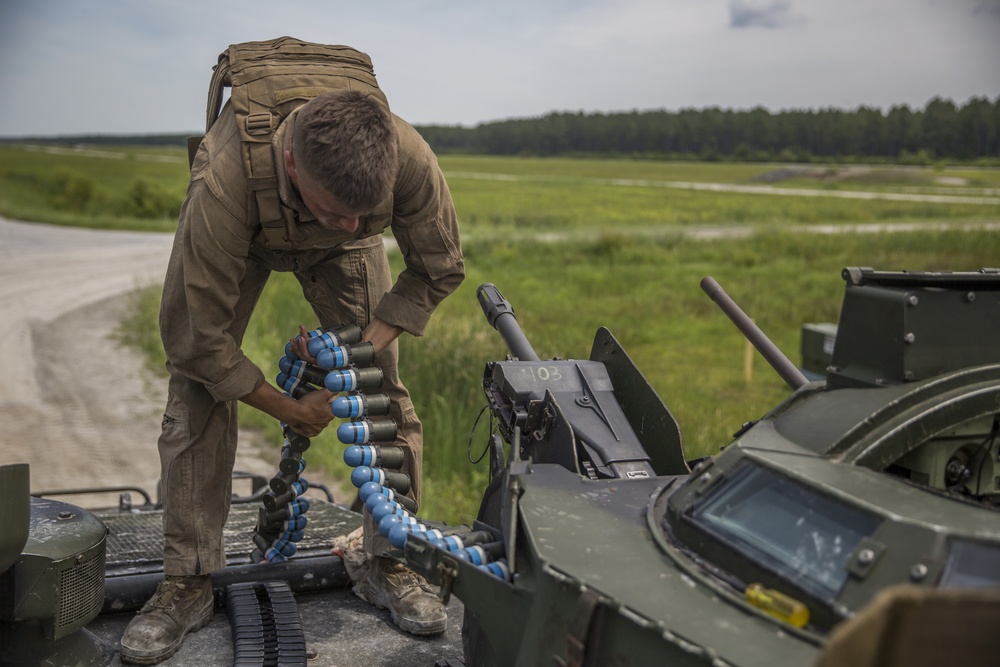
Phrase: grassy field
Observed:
(577, 244)
(121, 188)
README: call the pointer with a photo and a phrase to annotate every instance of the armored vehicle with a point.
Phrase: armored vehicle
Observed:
(72, 578)
(884, 473)
(598, 542)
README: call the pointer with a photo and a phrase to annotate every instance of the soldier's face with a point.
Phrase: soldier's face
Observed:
(329, 211)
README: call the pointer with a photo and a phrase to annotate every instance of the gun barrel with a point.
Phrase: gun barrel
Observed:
(500, 314)
(792, 376)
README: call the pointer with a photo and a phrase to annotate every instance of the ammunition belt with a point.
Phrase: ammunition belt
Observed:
(267, 630)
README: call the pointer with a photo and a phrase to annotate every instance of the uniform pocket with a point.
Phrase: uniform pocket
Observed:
(176, 423)
(430, 250)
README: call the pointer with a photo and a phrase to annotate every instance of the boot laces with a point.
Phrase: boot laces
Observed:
(405, 582)
(166, 594)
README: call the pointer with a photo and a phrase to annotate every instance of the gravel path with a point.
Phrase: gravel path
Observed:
(75, 405)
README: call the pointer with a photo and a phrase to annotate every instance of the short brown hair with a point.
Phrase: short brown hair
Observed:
(346, 141)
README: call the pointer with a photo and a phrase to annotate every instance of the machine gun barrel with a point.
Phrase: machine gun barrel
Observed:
(500, 314)
(792, 376)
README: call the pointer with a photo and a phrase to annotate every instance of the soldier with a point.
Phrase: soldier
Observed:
(346, 169)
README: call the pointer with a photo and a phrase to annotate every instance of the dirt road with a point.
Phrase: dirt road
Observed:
(74, 404)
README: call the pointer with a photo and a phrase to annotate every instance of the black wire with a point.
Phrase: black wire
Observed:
(468, 449)
(987, 444)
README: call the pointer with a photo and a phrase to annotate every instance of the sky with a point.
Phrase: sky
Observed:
(143, 66)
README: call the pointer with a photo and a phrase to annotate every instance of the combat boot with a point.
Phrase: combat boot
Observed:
(413, 603)
(179, 606)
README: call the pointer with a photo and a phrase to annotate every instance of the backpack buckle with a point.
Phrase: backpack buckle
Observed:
(259, 123)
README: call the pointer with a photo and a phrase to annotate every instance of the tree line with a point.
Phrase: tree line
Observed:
(941, 130)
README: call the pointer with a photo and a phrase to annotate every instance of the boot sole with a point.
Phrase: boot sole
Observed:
(421, 628)
(413, 627)
(152, 659)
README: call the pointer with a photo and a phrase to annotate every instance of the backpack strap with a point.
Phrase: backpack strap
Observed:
(216, 91)
(256, 128)
(269, 79)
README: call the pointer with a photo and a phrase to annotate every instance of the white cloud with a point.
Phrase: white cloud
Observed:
(70, 66)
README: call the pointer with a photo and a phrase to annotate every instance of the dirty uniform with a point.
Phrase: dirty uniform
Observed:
(219, 265)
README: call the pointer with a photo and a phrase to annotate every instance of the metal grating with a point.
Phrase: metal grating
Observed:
(81, 591)
(135, 539)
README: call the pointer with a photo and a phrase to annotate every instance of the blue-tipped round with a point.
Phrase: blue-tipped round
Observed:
(298, 506)
(398, 533)
(497, 568)
(363, 474)
(273, 556)
(284, 547)
(294, 387)
(321, 342)
(352, 379)
(348, 407)
(475, 555)
(279, 551)
(448, 543)
(360, 405)
(290, 353)
(385, 507)
(379, 509)
(292, 536)
(364, 431)
(387, 522)
(331, 358)
(297, 523)
(285, 364)
(355, 455)
(374, 499)
(342, 380)
(432, 534)
(367, 489)
(299, 487)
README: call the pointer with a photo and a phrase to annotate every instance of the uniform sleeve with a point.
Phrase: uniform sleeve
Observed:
(201, 297)
(426, 228)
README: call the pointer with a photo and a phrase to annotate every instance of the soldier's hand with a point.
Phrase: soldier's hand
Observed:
(313, 413)
(300, 346)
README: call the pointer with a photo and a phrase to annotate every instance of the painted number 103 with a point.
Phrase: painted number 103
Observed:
(545, 374)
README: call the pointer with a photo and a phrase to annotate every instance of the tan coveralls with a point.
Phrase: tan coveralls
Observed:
(218, 267)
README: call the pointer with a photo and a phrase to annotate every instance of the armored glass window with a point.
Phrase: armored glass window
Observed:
(805, 536)
(972, 565)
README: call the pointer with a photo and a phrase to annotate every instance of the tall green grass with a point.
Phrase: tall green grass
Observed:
(137, 188)
(572, 251)
(648, 294)
(142, 188)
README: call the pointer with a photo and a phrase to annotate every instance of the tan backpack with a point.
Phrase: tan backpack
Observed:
(269, 79)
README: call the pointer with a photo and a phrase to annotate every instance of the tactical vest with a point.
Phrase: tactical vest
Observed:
(270, 79)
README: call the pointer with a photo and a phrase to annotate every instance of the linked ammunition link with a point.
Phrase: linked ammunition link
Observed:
(266, 626)
(342, 366)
